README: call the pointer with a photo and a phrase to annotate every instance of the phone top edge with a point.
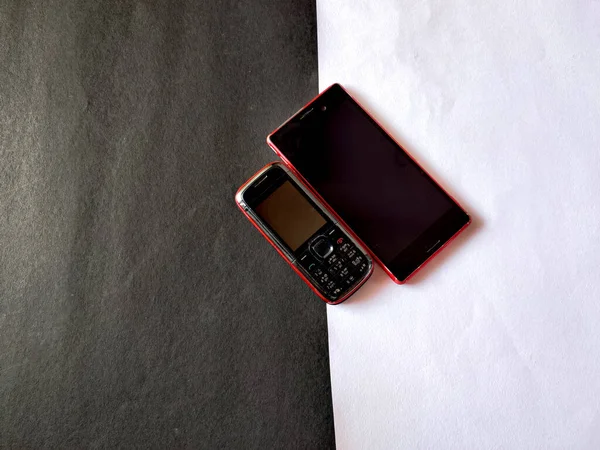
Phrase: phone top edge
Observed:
(294, 115)
(239, 195)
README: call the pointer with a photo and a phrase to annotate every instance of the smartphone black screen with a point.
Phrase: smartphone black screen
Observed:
(375, 187)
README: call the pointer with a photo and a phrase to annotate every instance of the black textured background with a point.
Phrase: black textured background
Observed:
(138, 307)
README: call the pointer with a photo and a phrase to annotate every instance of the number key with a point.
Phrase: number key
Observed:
(356, 261)
(337, 266)
(344, 273)
(323, 278)
(330, 286)
(350, 280)
(362, 268)
(332, 259)
(345, 247)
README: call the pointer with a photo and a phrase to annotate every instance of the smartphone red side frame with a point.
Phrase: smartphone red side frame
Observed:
(300, 274)
(334, 213)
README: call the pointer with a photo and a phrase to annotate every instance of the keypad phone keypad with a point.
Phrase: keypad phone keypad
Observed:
(343, 267)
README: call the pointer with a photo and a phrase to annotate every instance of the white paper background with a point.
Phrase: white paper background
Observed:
(496, 344)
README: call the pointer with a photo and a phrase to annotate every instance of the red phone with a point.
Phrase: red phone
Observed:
(369, 181)
(304, 233)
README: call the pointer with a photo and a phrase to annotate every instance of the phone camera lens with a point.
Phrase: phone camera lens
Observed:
(323, 108)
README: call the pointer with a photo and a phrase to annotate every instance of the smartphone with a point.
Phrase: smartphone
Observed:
(373, 186)
(305, 234)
